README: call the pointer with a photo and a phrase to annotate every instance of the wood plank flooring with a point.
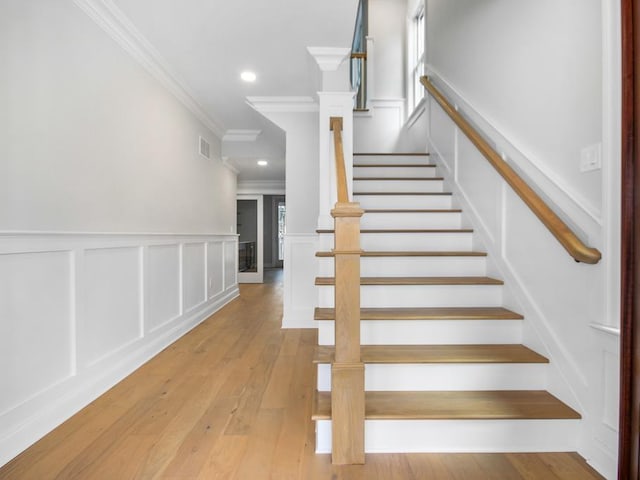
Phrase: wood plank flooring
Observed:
(232, 400)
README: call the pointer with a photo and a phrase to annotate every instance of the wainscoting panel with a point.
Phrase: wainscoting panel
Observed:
(112, 302)
(480, 185)
(378, 129)
(300, 269)
(230, 264)
(193, 275)
(35, 324)
(163, 285)
(215, 268)
(443, 135)
(79, 312)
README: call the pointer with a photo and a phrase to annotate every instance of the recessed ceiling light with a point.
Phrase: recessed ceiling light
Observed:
(262, 163)
(248, 76)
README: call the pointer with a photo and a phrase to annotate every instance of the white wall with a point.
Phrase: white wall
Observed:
(533, 69)
(378, 129)
(91, 141)
(535, 77)
(139, 245)
(387, 27)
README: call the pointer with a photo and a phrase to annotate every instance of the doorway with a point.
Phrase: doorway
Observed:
(274, 230)
(250, 242)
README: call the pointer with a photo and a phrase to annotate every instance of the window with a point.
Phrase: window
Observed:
(416, 56)
(282, 229)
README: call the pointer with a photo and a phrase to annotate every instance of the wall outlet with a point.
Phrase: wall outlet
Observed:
(591, 158)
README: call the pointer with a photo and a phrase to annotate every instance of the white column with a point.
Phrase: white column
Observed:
(335, 100)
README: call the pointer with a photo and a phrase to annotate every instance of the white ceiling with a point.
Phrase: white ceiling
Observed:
(207, 43)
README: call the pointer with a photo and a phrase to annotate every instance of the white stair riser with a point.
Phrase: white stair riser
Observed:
(435, 332)
(418, 241)
(408, 242)
(404, 201)
(392, 436)
(421, 296)
(392, 159)
(411, 220)
(398, 186)
(393, 171)
(423, 377)
(412, 266)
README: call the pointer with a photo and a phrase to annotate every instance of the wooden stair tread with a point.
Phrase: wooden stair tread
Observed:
(410, 254)
(406, 230)
(393, 165)
(438, 354)
(417, 281)
(413, 154)
(455, 405)
(412, 210)
(423, 179)
(426, 313)
(402, 193)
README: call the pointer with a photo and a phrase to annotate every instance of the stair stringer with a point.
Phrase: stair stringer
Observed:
(538, 333)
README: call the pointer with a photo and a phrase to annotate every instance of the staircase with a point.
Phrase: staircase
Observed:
(445, 370)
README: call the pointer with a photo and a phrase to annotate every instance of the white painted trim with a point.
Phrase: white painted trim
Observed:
(282, 104)
(329, 58)
(239, 135)
(228, 165)
(420, 109)
(612, 154)
(255, 277)
(565, 196)
(264, 187)
(114, 22)
(606, 329)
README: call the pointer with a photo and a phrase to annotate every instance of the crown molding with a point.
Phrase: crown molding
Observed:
(282, 104)
(329, 58)
(241, 135)
(265, 187)
(227, 164)
(115, 23)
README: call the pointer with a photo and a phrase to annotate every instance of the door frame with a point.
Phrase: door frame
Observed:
(254, 277)
(629, 431)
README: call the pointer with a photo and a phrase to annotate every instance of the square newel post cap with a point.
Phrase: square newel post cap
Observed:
(347, 209)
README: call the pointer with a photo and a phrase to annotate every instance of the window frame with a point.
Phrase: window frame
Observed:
(416, 55)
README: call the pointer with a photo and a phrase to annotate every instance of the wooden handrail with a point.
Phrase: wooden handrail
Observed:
(558, 228)
(335, 125)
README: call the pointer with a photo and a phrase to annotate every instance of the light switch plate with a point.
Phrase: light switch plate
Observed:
(591, 158)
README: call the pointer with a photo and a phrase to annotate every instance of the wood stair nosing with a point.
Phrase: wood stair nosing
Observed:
(409, 254)
(412, 154)
(405, 230)
(453, 280)
(440, 354)
(455, 405)
(402, 193)
(426, 313)
(393, 165)
(412, 210)
(418, 179)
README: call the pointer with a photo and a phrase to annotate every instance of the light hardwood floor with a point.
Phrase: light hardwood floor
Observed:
(232, 400)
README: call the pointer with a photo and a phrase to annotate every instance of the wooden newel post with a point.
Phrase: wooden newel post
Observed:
(347, 369)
